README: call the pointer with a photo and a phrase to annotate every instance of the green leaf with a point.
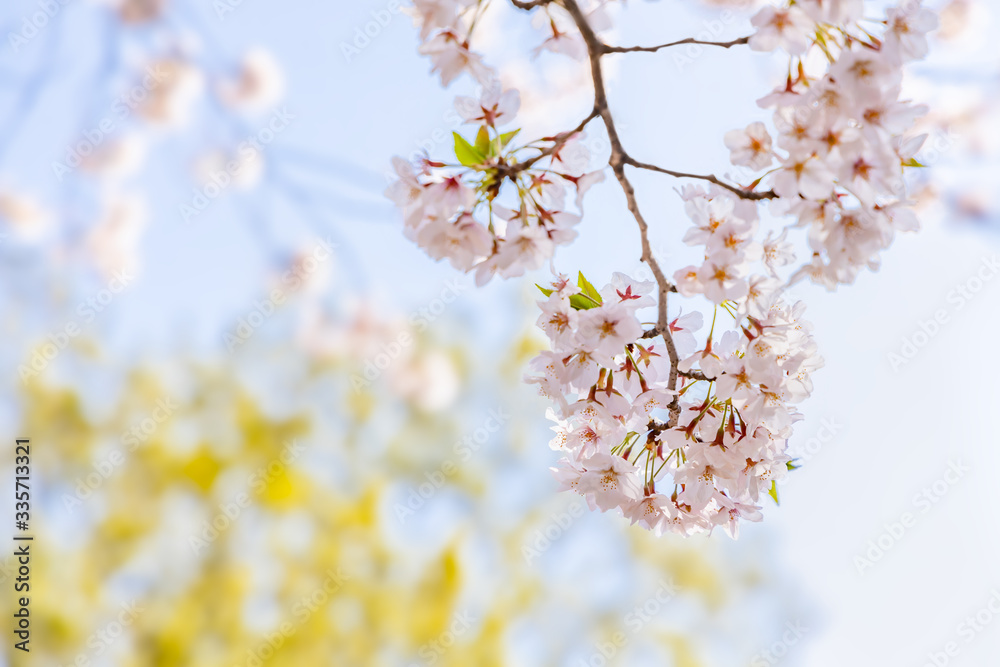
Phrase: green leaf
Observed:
(466, 153)
(587, 299)
(774, 492)
(582, 302)
(912, 162)
(506, 137)
(589, 289)
(791, 466)
(483, 143)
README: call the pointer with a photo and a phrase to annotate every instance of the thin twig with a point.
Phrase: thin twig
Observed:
(607, 48)
(743, 193)
(558, 142)
(619, 158)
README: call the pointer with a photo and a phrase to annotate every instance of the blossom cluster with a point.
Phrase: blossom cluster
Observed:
(452, 210)
(841, 141)
(726, 225)
(679, 448)
(446, 29)
(682, 434)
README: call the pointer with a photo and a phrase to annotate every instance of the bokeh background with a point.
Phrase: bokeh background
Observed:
(267, 430)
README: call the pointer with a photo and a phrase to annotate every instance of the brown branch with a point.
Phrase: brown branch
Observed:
(696, 375)
(558, 142)
(743, 193)
(656, 427)
(690, 40)
(619, 158)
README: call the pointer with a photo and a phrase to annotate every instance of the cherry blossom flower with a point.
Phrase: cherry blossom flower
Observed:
(119, 158)
(606, 330)
(804, 175)
(833, 11)
(609, 480)
(407, 192)
(568, 43)
(682, 328)
(651, 512)
(493, 108)
(24, 214)
(462, 242)
(630, 293)
(642, 402)
(688, 282)
(114, 241)
(730, 512)
(433, 15)
(260, 83)
(777, 252)
(908, 25)
(139, 11)
(562, 35)
(865, 75)
(174, 85)
(788, 28)
(722, 281)
(750, 147)
(451, 56)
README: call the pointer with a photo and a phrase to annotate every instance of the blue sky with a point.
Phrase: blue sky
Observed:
(894, 431)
